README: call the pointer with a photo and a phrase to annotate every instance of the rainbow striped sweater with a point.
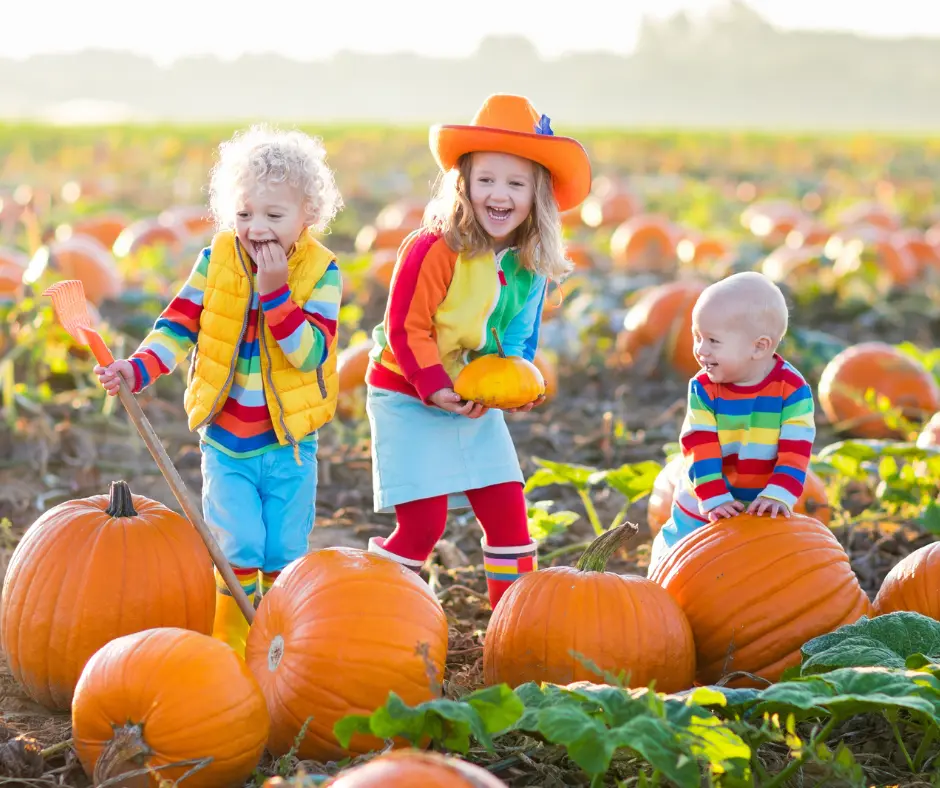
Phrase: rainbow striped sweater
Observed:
(441, 310)
(243, 427)
(743, 442)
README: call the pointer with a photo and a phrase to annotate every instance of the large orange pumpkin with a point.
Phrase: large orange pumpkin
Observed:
(194, 219)
(661, 320)
(149, 234)
(351, 365)
(895, 265)
(82, 257)
(618, 622)
(93, 569)
(167, 695)
(886, 370)
(411, 768)
(913, 584)
(105, 228)
(645, 242)
(755, 589)
(609, 210)
(339, 630)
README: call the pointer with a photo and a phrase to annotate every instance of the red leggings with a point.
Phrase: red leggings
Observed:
(500, 508)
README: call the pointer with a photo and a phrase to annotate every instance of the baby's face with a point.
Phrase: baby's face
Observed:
(726, 349)
(269, 213)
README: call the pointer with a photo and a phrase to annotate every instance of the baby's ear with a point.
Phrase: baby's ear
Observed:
(763, 345)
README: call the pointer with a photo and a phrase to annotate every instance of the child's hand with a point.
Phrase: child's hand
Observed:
(761, 504)
(725, 510)
(272, 267)
(111, 376)
(528, 406)
(449, 400)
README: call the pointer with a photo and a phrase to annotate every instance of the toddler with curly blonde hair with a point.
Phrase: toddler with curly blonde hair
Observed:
(259, 312)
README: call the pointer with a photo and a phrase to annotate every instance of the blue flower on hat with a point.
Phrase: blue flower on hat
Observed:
(544, 126)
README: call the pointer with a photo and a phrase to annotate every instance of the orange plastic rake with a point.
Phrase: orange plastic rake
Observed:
(68, 300)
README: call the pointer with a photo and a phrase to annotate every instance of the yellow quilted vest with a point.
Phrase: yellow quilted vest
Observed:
(299, 402)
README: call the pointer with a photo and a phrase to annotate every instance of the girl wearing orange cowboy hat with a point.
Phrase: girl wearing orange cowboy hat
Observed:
(490, 241)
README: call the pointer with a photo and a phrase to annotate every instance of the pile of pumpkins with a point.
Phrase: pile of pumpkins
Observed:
(108, 604)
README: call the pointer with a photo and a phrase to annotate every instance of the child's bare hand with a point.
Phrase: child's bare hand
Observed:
(272, 267)
(725, 510)
(761, 504)
(111, 376)
(528, 406)
(449, 400)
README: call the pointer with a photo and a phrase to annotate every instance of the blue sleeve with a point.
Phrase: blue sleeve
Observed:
(522, 333)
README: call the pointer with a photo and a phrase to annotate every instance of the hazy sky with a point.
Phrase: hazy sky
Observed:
(312, 29)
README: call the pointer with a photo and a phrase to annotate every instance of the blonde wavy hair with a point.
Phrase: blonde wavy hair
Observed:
(539, 238)
(262, 155)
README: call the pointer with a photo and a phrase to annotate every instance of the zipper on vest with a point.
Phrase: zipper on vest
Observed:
(267, 353)
(241, 336)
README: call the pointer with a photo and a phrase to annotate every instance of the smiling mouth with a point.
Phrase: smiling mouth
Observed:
(498, 214)
(256, 245)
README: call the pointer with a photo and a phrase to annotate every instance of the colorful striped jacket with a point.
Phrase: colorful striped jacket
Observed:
(243, 426)
(744, 442)
(441, 309)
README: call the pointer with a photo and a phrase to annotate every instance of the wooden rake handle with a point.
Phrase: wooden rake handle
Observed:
(178, 486)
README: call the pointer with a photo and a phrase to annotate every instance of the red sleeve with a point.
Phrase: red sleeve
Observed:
(423, 274)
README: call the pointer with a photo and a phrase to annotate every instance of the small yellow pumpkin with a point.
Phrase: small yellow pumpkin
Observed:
(500, 381)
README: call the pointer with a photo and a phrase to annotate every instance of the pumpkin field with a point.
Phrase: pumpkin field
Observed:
(761, 652)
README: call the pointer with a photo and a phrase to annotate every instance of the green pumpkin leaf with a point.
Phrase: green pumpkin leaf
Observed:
(849, 691)
(445, 722)
(884, 641)
(549, 472)
(633, 480)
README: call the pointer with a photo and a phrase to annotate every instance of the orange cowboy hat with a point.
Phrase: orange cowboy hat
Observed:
(509, 124)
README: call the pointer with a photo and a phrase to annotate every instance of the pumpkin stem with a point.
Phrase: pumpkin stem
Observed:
(122, 501)
(499, 345)
(598, 553)
(126, 752)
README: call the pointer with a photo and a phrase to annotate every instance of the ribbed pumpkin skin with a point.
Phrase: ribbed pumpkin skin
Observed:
(877, 365)
(759, 588)
(500, 382)
(416, 769)
(338, 630)
(79, 578)
(913, 584)
(618, 622)
(192, 695)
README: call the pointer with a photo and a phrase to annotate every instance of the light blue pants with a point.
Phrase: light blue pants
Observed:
(260, 509)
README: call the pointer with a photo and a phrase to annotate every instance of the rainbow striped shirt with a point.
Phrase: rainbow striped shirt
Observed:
(441, 310)
(243, 427)
(743, 442)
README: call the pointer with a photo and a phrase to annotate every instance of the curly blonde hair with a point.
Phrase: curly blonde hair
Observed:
(261, 155)
(539, 238)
